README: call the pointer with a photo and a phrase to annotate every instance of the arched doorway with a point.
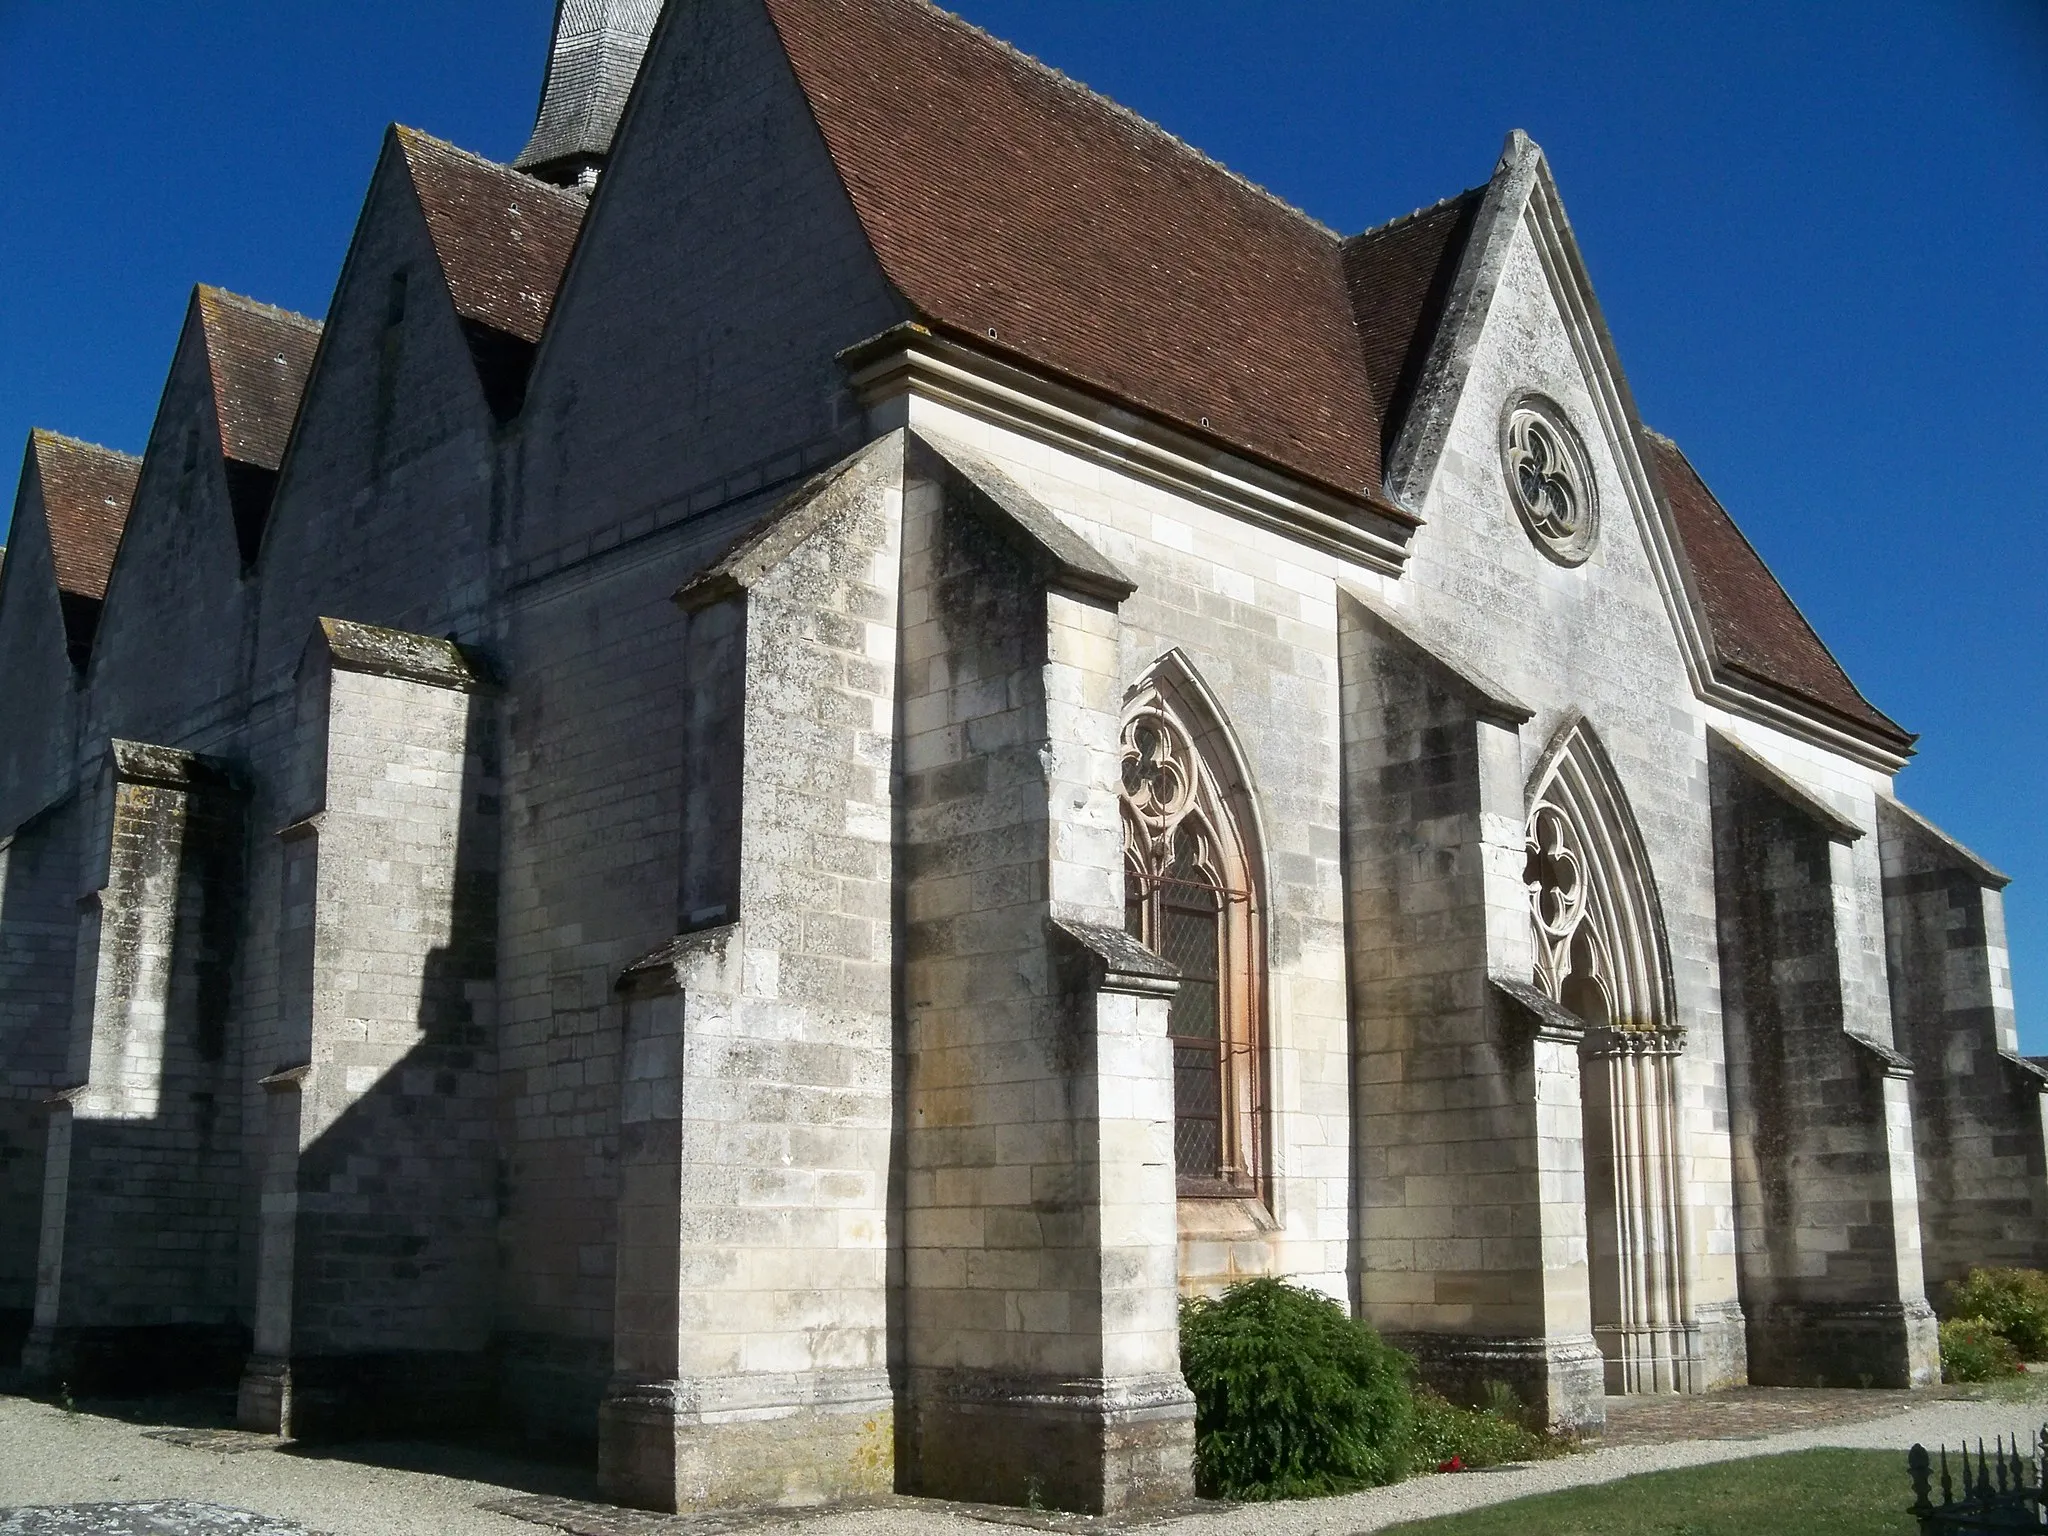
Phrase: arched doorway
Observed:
(1601, 953)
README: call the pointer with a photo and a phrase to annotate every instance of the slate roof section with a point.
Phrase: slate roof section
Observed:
(259, 357)
(87, 491)
(1755, 627)
(504, 240)
(1400, 276)
(593, 59)
(1022, 212)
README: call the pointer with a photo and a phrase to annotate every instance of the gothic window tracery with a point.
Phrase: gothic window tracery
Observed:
(1190, 895)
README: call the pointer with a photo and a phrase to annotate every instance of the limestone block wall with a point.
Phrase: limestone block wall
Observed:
(391, 498)
(377, 1254)
(39, 882)
(1253, 614)
(1826, 1185)
(596, 659)
(42, 706)
(655, 433)
(1977, 1104)
(138, 1244)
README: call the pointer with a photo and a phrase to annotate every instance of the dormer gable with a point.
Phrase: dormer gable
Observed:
(258, 357)
(85, 492)
(502, 239)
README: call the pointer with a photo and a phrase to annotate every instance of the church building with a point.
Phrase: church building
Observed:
(864, 720)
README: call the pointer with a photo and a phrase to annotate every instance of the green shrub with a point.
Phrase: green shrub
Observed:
(1292, 1397)
(1973, 1350)
(2014, 1301)
(1476, 1437)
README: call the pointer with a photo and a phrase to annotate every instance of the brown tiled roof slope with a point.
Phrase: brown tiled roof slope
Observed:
(259, 357)
(1755, 626)
(1400, 275)
(1001, 196)
(503, 238)
(86, 494)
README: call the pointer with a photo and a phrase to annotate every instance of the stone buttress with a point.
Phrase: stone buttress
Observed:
(750, 1360)
(1826, 1205)
(375, 1244)
(1472, 1213)
(1040, 1237)
(1978, 1105)
(136, 1268)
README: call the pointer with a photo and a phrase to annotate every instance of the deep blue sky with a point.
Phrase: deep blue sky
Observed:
(1819, 232)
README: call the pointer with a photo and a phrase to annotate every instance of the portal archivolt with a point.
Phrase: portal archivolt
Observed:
(1601, 952)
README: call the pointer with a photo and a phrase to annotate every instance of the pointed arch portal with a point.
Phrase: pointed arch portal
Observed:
(1601, 952)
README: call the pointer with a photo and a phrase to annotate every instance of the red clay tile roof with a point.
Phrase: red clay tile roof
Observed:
(86, 494)
(259, 357)
(503, 238)
(1400, 275)
(1001, 196)
(1755, 627)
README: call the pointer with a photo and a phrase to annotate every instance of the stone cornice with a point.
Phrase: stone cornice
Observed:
(914, 360)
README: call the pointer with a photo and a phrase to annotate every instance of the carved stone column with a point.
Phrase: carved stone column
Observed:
(1639, 1246)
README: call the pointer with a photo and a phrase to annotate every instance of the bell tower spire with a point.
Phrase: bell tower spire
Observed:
(592, 62)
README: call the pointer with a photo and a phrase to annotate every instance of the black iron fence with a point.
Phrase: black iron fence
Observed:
(2001, 1489)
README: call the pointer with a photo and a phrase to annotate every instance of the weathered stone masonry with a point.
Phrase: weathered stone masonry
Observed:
(807, 763)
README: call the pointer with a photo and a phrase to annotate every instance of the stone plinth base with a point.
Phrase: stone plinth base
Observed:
(680, 1445)
(1561, 1381)
(1724, 1345)
(1844, 1344)
(263, 1398)
(156, 1358)
(340, 1397)
(1091, 1446)
(1651, 1360)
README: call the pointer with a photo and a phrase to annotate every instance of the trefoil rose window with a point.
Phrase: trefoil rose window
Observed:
(1549, 478)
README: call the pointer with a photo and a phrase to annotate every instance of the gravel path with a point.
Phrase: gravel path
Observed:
(49, 1458)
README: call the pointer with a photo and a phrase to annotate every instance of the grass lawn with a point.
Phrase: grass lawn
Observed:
(1808, 1493)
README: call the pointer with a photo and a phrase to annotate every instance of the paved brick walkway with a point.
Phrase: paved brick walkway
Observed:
(1750, 1413)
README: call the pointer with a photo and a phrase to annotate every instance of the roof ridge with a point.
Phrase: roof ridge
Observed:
(1061, 78)
(1692, 558)
(408, 136)
(1419, 213)
(65, 440)
(273, 311)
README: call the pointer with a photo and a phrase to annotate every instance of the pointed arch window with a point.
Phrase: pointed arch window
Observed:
(1191, 893)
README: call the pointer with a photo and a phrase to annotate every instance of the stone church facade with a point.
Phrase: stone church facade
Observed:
(866, 720)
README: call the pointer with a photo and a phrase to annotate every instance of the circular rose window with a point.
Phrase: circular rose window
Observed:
(1548, 478)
